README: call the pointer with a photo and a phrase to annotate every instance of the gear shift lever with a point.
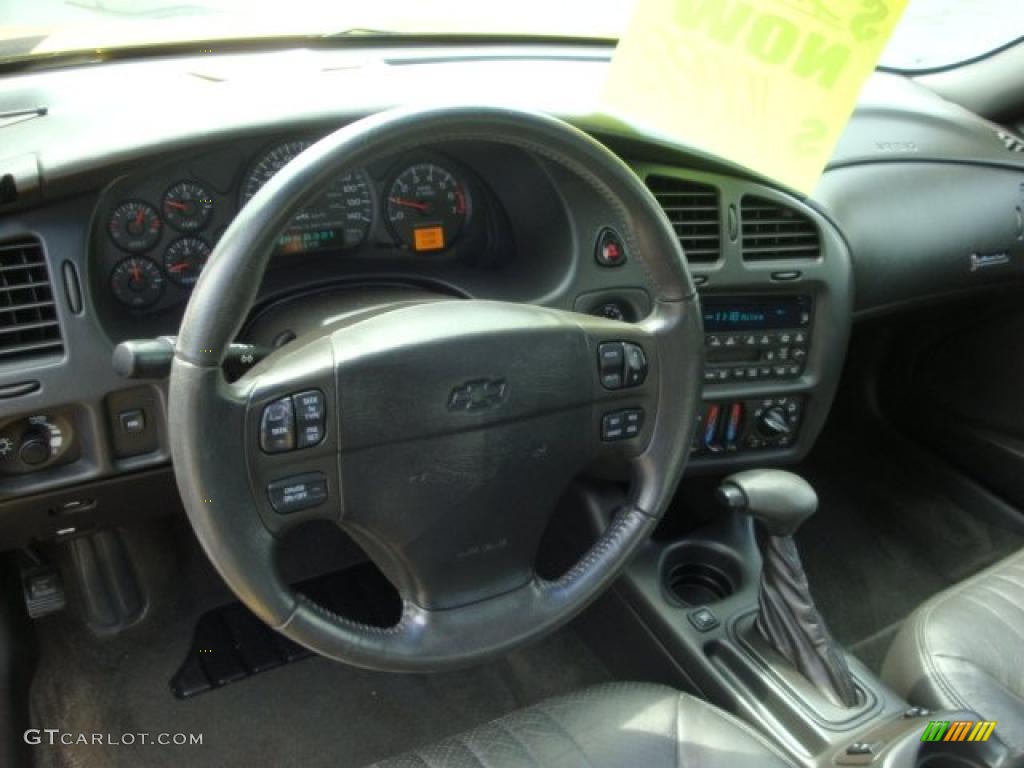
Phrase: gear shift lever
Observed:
(788, 619)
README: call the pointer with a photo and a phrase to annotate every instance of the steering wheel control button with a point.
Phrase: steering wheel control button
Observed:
(636, 364)
(293, 494)
(277, 426)
(310, 417)
(611, 359)
(612, 426)
(621, 364)
(621, 425)
(703, 619)
(610, 250)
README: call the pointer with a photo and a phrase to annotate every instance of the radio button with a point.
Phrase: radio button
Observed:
(799, 353)
(785, 338)
(765, 340)
(714, 341)
(750, 341)
(739, 373)
(764, 371)
(800, 337)
(730, 341)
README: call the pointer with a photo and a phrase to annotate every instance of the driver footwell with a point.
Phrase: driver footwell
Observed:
(312, 713)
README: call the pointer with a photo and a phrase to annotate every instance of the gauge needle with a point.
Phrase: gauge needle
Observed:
(178, 267)
(136, 273)
(409, 203)
(140, 217)
(176, 204)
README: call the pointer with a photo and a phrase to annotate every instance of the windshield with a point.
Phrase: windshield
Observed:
(933, 33)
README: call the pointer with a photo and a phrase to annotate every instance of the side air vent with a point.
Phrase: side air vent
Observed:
(772, 231)
(1011, 142)
(693, 209)
(28, 313)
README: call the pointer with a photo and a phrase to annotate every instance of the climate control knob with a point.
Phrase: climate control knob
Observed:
(774, 422)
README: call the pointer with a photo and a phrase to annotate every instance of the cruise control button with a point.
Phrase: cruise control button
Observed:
(277, 426)
(636, 364)
(310, 417)
(611, 359)
(298, 492)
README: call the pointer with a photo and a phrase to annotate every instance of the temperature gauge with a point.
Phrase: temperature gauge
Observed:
(184, 259)
(137, 282)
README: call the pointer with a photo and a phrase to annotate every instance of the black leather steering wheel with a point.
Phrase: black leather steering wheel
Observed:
(452, 427)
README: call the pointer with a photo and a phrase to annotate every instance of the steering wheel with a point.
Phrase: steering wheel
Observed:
(440, 436)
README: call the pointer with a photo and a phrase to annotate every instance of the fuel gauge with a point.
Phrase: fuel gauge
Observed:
(137, 282)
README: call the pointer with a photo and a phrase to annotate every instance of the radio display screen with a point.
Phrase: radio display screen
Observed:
(749, 313)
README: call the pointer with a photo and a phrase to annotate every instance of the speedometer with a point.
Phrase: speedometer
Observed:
(339, 218)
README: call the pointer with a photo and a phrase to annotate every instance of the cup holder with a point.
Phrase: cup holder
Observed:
(697, 574)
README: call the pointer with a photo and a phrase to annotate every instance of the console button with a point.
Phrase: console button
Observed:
(703, 619)
(298, 492)
(133, 421)
(277, 426)
(310, 417)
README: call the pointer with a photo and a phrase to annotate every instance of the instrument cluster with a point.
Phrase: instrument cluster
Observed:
(156, 243)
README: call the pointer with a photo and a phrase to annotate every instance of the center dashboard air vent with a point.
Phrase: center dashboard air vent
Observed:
(28, 313)
(694, 211)
(774, 232)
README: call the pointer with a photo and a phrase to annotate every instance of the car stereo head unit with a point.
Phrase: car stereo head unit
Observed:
(756, 337)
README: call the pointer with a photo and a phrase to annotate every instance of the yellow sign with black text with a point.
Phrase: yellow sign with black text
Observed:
(769, 84)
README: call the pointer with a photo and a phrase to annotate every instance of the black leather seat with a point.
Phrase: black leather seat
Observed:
(964, 649)
(608, 726)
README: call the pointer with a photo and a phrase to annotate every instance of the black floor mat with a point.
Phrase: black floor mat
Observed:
(884, 538)
(310, 714)
(230, 643)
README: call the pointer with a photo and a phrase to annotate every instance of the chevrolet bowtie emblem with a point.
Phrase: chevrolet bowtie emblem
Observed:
(477, 395)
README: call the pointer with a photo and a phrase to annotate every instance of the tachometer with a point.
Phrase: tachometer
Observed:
(427, 207)
(135, 226)
(187, 206)
(340, 218)
(137, 282)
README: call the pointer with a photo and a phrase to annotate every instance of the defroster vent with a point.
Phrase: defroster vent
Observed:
(28, 312)
(772, 231)
(693, 209)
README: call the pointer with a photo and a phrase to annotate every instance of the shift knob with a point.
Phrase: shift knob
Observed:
(779, 500)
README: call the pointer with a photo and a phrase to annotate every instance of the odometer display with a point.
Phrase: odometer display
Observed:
(427, 207)
(339, 218)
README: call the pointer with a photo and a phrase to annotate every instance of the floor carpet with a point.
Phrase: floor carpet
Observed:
(309, 713)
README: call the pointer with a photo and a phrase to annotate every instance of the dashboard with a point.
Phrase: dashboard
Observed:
(109, 230)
